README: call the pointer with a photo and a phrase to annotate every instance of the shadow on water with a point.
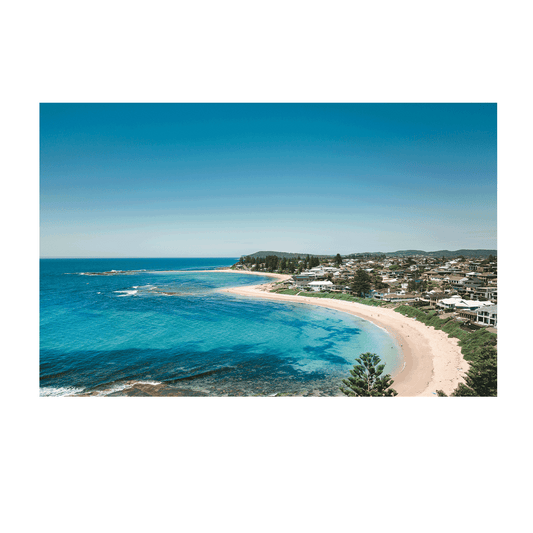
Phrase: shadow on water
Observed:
(240, 370)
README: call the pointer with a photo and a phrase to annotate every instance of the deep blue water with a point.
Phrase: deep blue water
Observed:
(102, 333)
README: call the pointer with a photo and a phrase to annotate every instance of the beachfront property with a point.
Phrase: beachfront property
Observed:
(395, 297)
(456, 302)
(323, 285)
(459, 287)
(488, 316)
(303, 280)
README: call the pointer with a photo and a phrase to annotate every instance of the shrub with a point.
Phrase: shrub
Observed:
(471, 342)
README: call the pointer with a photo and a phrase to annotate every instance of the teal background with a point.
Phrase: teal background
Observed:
(262, 474)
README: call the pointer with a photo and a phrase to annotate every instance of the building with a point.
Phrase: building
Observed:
(303, 280)
(393, 297)
(458, 304)
(321, 285)
(491, 293)
(488, 316)
(470, 316)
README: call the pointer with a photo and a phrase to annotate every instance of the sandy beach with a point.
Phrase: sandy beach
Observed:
(432, 360)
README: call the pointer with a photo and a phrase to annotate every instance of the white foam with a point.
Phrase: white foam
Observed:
(128, 293)
(59, 391)
(123, 386)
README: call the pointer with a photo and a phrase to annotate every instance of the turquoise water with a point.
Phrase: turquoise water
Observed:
(100, 334)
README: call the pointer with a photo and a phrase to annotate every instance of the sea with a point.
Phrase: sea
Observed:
(160, 327)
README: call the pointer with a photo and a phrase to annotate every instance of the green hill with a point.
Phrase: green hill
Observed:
(400, 253)
(438, 253)
(287, 255)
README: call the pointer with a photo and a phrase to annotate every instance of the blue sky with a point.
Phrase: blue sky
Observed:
(222, 180)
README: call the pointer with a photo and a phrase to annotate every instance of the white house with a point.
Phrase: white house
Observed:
(456, 302)
(488, 315)
(321, 285)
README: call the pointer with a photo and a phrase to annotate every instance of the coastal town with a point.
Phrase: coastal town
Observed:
(462, 288)
(440, 308)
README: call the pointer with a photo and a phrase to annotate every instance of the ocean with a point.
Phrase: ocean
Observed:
(155, 327)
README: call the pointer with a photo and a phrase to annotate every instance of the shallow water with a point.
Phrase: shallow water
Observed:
(151, 331)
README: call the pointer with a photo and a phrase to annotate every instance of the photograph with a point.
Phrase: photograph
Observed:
(232, 230)
(268, 249)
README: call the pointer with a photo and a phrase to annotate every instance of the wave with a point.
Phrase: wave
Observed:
(59, 391)
(118, 387)
(128, 293)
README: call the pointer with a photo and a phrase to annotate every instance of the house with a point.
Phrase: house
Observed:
(302, 280)
(488, 316)
(486, 277)
(455, 279)
(434, 297)
(397, 297)
(386, 296)
(471, 316)
(321, 285)
(490, 293)
(381, 293)
(457, 303)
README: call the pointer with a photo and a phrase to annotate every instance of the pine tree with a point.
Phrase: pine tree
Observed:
(361, 284)
(366, 378)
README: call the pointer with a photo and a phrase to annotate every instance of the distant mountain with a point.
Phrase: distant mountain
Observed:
(399, 253)
(438, 253)
(287, 255)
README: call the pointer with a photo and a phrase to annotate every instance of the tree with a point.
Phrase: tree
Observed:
(361, 283)
(366, 378)
(271, 262)
(313, 261)
(482, 376)
(338, 259)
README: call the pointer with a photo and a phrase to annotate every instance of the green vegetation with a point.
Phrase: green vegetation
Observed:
(286, 291)
(275, 263)
(331, 295)
(366, 378)
(342, 296)
(287, 255)
(482, 376)
(471, 342)
(361, 283)
(412, 285)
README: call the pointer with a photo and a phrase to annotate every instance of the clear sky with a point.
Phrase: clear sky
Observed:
(223, 180)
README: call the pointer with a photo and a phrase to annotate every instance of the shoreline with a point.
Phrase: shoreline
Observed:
(431, 359)
(281, 277)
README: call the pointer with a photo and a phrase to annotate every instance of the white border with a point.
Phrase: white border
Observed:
(30, 403)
